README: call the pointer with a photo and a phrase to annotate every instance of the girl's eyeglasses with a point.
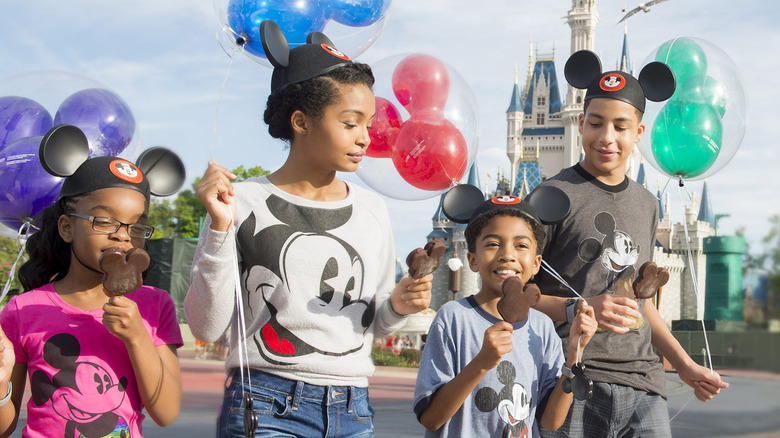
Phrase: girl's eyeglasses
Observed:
(109, 225)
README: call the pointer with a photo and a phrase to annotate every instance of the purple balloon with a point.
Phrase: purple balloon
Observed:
(104, 118)
(25, 187)
(21, 117)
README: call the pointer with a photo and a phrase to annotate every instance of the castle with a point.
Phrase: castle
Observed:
(542, 139)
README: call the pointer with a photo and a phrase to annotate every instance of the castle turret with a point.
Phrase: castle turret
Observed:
(514, 126)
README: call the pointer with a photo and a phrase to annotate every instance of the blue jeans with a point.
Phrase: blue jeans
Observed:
(291, 408)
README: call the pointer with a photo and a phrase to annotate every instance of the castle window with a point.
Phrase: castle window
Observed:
(540, 101)
(540, 119)
(579, 99)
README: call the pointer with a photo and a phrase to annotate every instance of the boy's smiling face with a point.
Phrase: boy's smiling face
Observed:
(504, 248)
(610, 128)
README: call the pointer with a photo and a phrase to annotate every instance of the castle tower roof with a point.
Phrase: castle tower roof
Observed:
(640, 175)
(528, 175)
(705, 208)
(544, 67)
(516, 102)
(625, 60)
(660, 204)
(473, 177)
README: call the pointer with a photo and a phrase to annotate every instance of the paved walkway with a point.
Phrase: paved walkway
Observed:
(750, 408)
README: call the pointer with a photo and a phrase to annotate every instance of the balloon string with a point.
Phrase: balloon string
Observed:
(243, 354)
(682, 407)
(680, 190)
(24, 229)
(549, 269)
(219, 104)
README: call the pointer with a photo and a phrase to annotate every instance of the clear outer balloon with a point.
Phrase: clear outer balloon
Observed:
(25, 187)
(384, 129)
(50, 88)
(356, 13)
(104, 118)
(460, 111)
(421, 82)
(21, 117)
(352, 25)
(430, 153)
(700, 99)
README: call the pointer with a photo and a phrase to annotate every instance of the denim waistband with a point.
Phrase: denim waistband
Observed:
(262, 379)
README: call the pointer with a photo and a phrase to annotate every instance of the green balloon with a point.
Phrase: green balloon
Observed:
(705, 89)
(686, 138)
(685, 57)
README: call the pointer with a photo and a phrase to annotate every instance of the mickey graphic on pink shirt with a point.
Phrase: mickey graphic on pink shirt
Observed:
(85, 394)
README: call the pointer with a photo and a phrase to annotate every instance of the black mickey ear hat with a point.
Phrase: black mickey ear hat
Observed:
(315, 58)
(546, 205)
(64, 152)
(656, 80)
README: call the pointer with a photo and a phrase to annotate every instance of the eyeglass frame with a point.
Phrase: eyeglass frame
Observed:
(121, 224)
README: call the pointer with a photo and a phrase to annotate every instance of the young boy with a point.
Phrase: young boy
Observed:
(480, 375)
(609, 234)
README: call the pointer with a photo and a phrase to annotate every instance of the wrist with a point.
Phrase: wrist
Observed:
(571, 306)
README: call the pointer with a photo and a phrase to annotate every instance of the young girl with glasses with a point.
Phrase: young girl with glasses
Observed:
(94, 363)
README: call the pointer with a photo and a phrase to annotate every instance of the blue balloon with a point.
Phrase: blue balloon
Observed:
(21, 117)
(296, 18)
(104, 118)
(357, 13)
(25, 187)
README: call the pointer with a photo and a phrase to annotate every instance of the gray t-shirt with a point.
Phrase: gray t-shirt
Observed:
(598, 249)
(507, 398)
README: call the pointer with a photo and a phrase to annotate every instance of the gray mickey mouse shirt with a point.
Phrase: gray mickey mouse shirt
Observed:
(598, 249)
(511, 397)
(316, 278)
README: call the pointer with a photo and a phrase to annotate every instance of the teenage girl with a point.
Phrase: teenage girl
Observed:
(315, 258)
(93, 363)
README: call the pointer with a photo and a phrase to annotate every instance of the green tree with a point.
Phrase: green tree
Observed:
(183, 216)
(9, 250)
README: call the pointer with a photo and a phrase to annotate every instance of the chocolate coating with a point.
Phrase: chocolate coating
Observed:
(122, 272)
(649, 279)
(517, 298)
(423, 261)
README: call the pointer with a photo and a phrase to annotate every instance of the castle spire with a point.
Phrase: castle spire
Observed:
(705, 208)
(660, 204)
(625, 61)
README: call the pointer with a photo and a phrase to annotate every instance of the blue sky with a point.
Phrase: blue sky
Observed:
(163, 58)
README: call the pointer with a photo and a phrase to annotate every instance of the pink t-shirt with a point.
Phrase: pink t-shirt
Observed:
(81, 378)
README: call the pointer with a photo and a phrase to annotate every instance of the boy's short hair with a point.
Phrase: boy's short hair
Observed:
(479, 222)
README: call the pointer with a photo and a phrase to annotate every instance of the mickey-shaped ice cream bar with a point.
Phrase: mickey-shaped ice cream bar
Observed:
(656, 80)
(123, 272)
(649, 279)
(423, 261)
(317, 57)
(516, 299)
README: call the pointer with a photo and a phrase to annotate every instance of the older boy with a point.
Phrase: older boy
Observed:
(481, 375)
(608, 235)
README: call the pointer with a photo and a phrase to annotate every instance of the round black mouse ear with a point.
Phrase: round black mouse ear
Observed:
(550, 203)
(318, 38)
(274, 44)
(582, 68)
(657, 81)
(63, 149)
(163, 169)
(460, 202)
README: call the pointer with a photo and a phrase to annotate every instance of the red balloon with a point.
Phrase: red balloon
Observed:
(430, 154)
(421, 82)
(385, 128)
